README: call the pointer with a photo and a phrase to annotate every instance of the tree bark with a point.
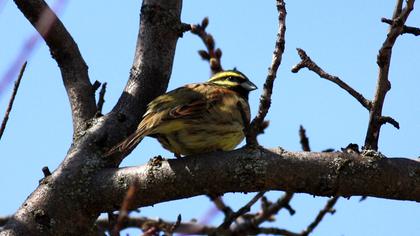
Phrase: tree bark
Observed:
(64, 203)
(246, 170)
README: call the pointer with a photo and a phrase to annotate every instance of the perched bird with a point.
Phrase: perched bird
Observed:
(197, 118)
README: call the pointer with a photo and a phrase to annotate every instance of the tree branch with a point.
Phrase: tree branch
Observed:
(64, 50)
(304, 141)
(383, 84)
(322, 174)
(160, 28)
(68, 188)
(246, 208)
(273, 209)
(212, 55)
(101, 99)
(12, 99)
(406, 29)
(257, 125)
(311, 65)
(328, 208)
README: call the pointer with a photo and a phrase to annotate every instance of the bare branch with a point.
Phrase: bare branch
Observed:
(64, 50)
(406, 29)
(276, 231)
(311, 65)
(273, 209)
(12, 99)
(69, 187)
(304, 141)
(390, 120)
(101, 99)
(246, 208)
(244, 170)
(46, 171)
(212, 55)
(145, 223)
(265, 215)
(327, 209)
(126, 207)
(257, 125)
(160, 28)
(383, 84)
(220, 204)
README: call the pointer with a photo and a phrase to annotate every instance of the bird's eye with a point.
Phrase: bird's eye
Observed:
(233, 79)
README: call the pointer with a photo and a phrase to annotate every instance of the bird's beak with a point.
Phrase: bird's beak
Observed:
(248, 85)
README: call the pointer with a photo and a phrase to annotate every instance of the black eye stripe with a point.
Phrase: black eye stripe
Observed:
(234, 79)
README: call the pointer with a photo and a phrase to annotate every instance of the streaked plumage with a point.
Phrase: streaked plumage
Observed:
(197, 118)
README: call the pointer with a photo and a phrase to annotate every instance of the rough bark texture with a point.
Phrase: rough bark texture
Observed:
(68, 188)
(244, 170)
(68, 201)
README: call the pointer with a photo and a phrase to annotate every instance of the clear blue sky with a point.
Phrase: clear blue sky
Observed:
(342, 38)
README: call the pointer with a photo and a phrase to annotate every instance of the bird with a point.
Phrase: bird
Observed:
(197, 117)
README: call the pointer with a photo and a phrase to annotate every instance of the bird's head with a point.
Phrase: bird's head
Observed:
(234, 80)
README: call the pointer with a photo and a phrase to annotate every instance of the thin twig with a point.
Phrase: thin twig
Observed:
(246, 208)
(12, 99)
(383, 84)
(212, 55)
(257, 124)
(145, 223)
(328, 208)
(304, 141)
(276, 231)
(273, 209)
(125, 209)
(389, 120)
(101, 99)
(220, 204)
(311, 65)
(46, 171)
(406, 29)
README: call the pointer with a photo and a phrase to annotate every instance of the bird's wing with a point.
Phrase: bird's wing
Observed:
(165, 113)
(188, 102)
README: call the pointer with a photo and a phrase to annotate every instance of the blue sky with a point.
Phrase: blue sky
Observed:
(342, 38)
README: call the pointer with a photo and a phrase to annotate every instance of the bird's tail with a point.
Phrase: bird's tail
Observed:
(128, 144)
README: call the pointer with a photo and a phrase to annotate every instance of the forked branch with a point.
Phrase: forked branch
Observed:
(64, 50)
(213, 55)
(383, 84)
(311, 65)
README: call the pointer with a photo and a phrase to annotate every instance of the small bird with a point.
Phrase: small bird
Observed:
(197, 118)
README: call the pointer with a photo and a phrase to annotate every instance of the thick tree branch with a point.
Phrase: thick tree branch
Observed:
(64, 50)
(257, 125)
(311, 65)
(12, 99)
(68, 187)
(322, 174)
(160, 28)
(383, 84)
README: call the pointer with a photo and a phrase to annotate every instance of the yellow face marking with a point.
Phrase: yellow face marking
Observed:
(225, 74)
